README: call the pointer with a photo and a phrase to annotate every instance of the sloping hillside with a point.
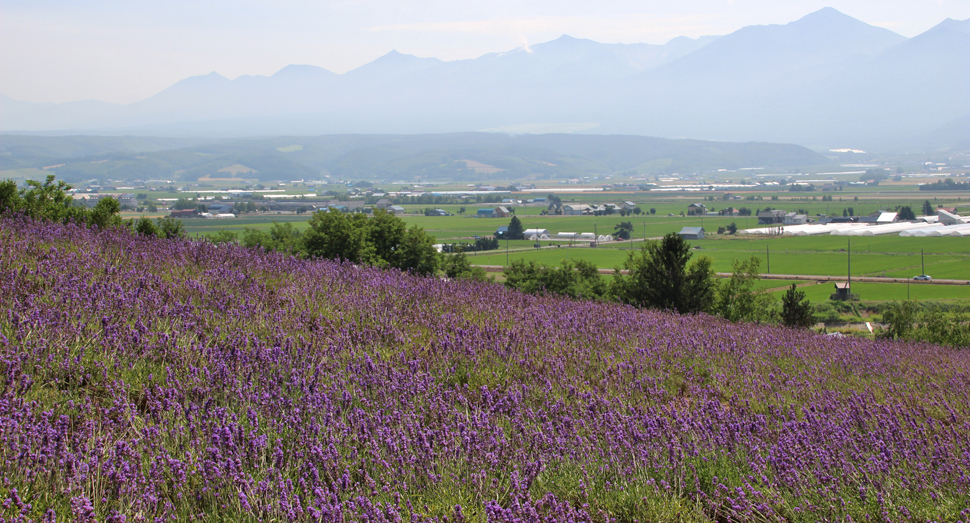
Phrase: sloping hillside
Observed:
(395, 156)
(148, 379)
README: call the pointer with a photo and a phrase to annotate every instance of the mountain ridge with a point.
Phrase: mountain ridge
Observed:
(823, 79)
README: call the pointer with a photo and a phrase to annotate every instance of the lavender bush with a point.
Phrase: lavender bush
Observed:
(150, 380)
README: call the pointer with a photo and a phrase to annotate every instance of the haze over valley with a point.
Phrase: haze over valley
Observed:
(825, 80)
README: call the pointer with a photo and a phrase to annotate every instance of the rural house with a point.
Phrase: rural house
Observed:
(795, 219)
(692, 233)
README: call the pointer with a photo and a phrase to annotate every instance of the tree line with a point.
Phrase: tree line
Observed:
(50, 200)
(662, 276)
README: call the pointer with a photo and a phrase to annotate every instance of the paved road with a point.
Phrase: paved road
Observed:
(803, 277)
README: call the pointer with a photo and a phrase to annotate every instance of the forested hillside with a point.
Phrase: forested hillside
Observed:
(442, 156)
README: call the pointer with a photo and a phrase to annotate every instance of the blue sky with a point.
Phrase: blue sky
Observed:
(124, 51)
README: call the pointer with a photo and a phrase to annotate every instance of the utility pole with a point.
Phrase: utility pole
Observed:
(922, 262)
(768, 256)
(506, 248)
(849, 244)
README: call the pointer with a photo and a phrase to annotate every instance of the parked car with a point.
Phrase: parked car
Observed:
(923, 277)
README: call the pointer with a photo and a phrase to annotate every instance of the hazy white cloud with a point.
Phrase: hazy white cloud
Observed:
(123, 51)
(628, 29)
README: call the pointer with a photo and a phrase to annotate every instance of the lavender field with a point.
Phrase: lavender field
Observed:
(152, 380)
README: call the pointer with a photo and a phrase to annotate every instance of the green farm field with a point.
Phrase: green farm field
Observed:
(449, 228)
(889, 255)
(821, 263)
(820, 292)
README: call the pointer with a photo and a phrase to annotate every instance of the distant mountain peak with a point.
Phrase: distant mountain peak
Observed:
(395, 55)
(827, 16)
(565, 43)
(301, 70)
(202, 79)
(959, 26)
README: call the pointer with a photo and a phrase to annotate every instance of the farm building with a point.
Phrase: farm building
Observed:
(383, 203)
(186, 213)
(502, 212)
(538, 233)
(692, 233)
(220, 208)
(949, 218)
(127, 200)
(395, 209)
(776, 216)
(795, 219)
(628, 205)
(576, 209)
(485, 213)
(502, 231)
(880, 218)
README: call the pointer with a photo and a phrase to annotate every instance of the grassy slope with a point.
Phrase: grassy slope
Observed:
(192, 374)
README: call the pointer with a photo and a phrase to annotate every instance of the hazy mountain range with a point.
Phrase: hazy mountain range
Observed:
(824, 80)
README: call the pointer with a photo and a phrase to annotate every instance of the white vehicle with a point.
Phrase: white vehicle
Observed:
(923, 277)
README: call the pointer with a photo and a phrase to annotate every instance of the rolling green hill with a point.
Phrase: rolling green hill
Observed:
(456, 156)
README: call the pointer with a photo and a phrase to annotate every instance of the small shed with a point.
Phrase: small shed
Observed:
(692, 233)
(843, 292)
